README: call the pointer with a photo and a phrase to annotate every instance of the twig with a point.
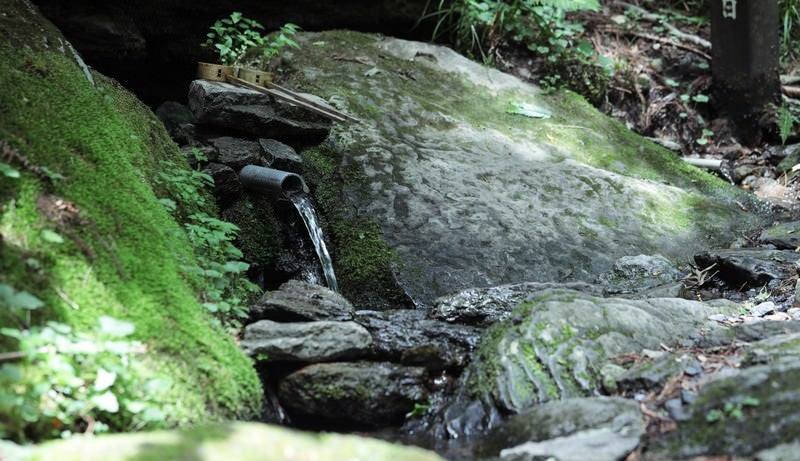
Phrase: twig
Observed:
(707, 163)
(12, 356)
(668, 42)
(701, 42)
(792, 91)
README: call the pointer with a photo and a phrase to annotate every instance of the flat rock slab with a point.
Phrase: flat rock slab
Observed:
(363, 394)
(231, 441)
(297, 301)
(470, 194)
(319, 341)
(785, 236)
(597, 429)
(409, 338)
(252, 113)
(485, 306)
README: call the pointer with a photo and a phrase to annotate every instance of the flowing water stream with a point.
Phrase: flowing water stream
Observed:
(305, 208)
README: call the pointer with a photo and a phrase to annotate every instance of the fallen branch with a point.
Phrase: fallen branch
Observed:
(791, 91)
(701, 42)
(790, 79)
(707, 163)
(12, 356)
(667, 41)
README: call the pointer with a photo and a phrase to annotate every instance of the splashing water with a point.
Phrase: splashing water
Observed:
(305, 208)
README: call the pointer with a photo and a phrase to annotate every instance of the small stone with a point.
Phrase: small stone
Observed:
(778, 317)
(763, 309)
(675, 410)
(794, 312)
(693, 369)
(280, 156)
(236, 152)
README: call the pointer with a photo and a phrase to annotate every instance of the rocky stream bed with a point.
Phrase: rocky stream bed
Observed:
(549, 287)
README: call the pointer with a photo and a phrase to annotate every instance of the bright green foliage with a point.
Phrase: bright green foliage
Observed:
(233, 36)
(786, 122)
(121, 252)
(223, 287)
(476, 25)
(790, 18)
(69, 382)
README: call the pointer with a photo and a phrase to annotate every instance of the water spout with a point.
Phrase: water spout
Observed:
(306, 210)
(275, 183)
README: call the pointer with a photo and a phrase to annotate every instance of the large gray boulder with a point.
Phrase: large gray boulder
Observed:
(473, 185)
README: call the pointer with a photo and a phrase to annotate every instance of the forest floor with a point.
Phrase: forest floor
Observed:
(661, 88)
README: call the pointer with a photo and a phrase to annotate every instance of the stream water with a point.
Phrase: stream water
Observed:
(302, 203)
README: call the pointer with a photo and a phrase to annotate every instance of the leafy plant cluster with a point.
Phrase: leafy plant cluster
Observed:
(224, 287)
(233, 36)
(63, 381)
(481, 25)
(731, 410)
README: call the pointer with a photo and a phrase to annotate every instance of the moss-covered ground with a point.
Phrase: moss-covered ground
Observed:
(122, 252)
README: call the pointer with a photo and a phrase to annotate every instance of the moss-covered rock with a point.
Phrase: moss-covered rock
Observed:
(122, 253)
(554, 347)
(457, 168)
(239, 441)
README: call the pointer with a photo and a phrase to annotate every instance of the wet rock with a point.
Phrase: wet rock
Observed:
(227, 187)
(280, 156)
(297, 301)
(754, 266)
(247, 111)
(406, 336)
(485, 306)
(782, 452)
(319, 341)
(654, 373)
(555, 346)
(580, 429)
(632, 274)
(791, 157)
(173, 114)
(785, 236)
(443, 176)
(236, 152)
(753, 410)
(772, 349)
(363, 394)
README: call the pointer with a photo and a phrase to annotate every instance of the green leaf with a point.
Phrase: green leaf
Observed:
(18, 299)
(700, 98)
(8, 171)
(235, 267)
(106, 401)
(52, 237)
(116, 328)
(528, 110)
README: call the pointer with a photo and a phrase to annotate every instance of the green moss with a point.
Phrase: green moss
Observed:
(259, 235)
(122, 251)
(361, 259)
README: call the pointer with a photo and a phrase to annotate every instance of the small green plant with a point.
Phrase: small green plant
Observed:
(790, 37)
(232, 37)
(419, 410)
(705, 137)
(786, 122)
(67, 382)
(731, 410)
(223, 286)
